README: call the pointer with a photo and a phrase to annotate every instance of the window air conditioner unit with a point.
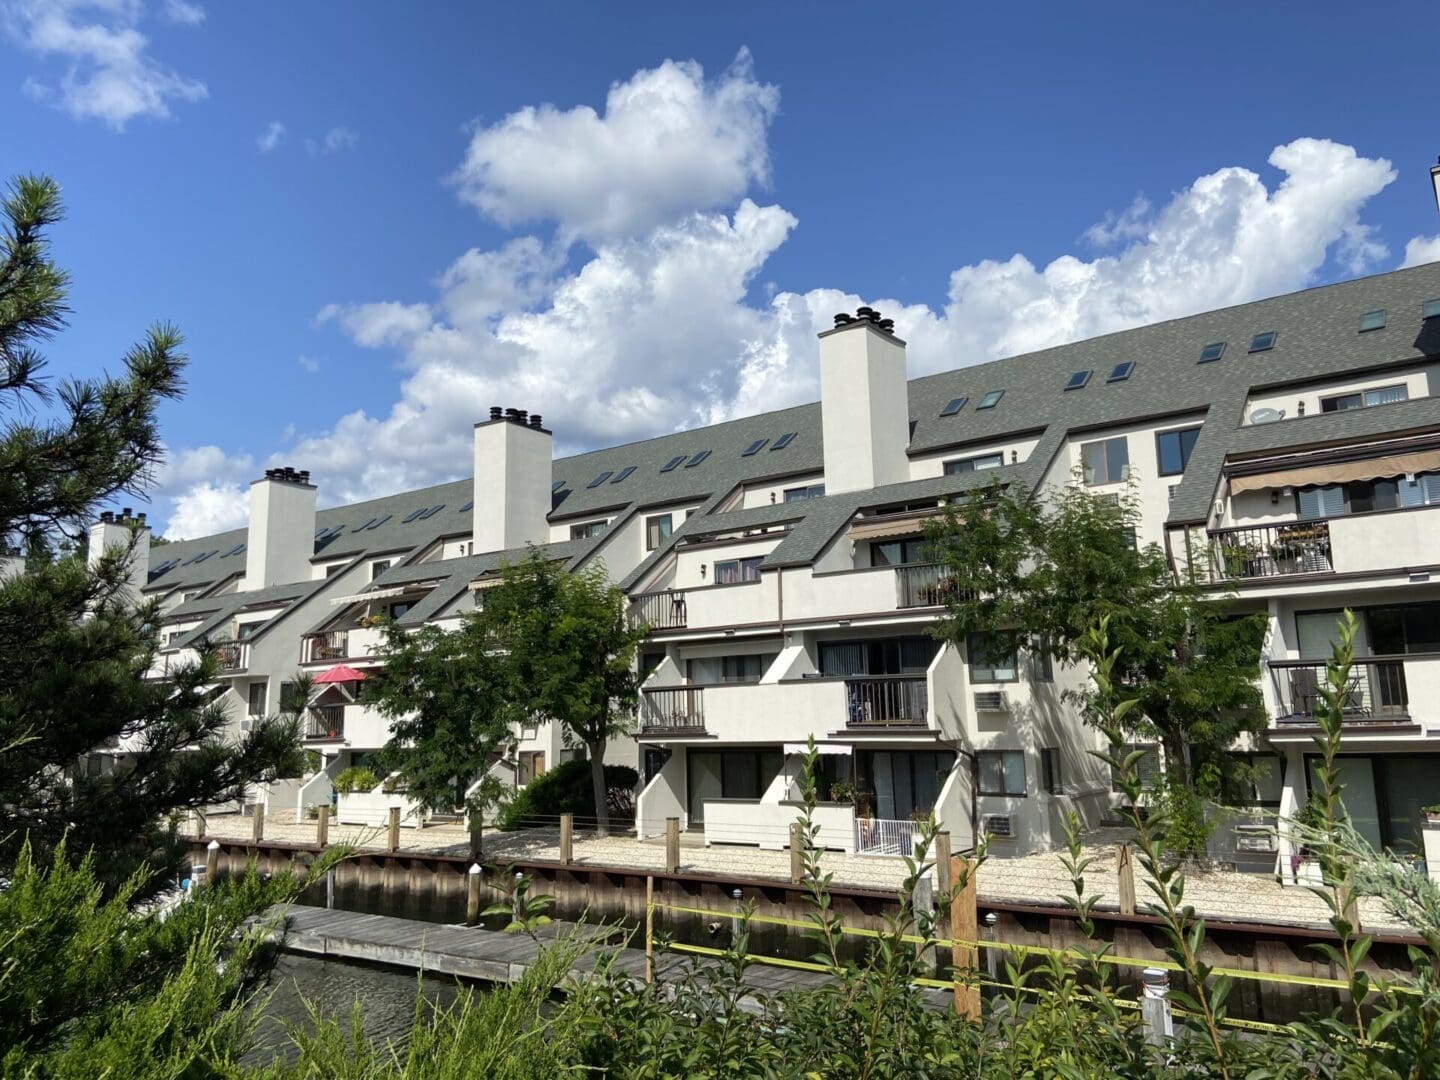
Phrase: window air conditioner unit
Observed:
(991, 701)
(998, 825)
(1255, 838)
(247, 724)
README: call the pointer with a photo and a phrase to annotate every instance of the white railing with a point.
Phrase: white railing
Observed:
(878, 836)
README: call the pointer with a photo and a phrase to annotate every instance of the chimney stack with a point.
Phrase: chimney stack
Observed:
(120, 531)
(512, 481)
(281, 536)
(864, 403)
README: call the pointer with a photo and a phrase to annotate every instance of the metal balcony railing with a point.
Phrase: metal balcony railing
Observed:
(327, 645)
(1265, 551)
(1376, 691)
(673, 709)
(325, 722)
(663, 610)
(232, 656)
(895, 699)
(878, 836)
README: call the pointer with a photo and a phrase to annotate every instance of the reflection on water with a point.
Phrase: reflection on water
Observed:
(302, 983)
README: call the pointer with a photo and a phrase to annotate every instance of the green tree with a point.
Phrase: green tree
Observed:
(570, 653)
(444, 692)
(75, 650)
(1037, 572)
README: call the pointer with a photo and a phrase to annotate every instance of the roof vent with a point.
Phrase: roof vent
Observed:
(866, 314)
(535, 420)
(494, 412)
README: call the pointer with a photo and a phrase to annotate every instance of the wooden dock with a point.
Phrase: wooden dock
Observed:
(490, 955)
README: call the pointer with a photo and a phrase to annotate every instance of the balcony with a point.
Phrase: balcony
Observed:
(1378, 691)
(325, 722)
(664, 610)
(1269, 551)
(886, 701)
(924, 585)
(232, 656)
(673, 711)
(325, 646)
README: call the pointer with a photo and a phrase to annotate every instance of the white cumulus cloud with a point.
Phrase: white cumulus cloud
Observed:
(183, 12)
(668, 141)
(109, 74)
(1422, 249)
(271, 137)
(333, 141)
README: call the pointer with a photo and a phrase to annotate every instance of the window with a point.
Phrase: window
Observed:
(333, 569)
(246, 630)
(1263, 342)
(255, 705)
(1106, 461)
(784, 441)
(378, 567)
(623, 473)
(1002, 772)
(1172, 450)
(1372, 320)
(173, 638)
(886, 656)
(672, 463)
(987, 663)
(531, 765)
(755, 447)
(953, 406)
(1252, 780)
(1078, 380)
(599, 479)
(1212, 352)
(710, 670)
(734, 571)
(1364, 399)
(236, 550)
(190, 594)
(1121, 371)
(697, 459)
(412, 516)
(1147, 769)
(913, 549)
(809, 491)
(657, 530)
(470, 504)
(1430, 309)
(1320, 502)
(1363, 496)
(990, 400)
(737, 774)
(587, 530)
(1042, 668)
(429, 513)
(1402, 629)
(974, 464)
(1050, 771)
(364, 525)
(398, 608)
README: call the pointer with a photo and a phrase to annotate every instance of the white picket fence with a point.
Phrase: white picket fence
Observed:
(878, 836)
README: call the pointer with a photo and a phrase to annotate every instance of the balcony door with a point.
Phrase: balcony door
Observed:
(903, 783)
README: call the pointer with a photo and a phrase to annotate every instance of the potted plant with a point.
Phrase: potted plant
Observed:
(842, 791)
(357, 778)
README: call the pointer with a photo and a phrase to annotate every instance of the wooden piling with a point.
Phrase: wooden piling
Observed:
(212, 861)
(649, 928)
(567, 838)
(472, 895)
(392, 842)
(322, 828)
(797, 852)
(1126, 871)
(943, 880)
(964, 928)
(672, 845)
(257, 823)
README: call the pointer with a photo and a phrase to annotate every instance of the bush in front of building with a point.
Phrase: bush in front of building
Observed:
(356, 778)
(566, 789)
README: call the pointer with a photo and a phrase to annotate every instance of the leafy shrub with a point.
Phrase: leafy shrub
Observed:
(356, 778)
(566, 789)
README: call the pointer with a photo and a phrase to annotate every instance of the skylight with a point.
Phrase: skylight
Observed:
(990, 400)
(623, 473)
(1078, 380)
(600, 479)
(201, 557)
(233, 551)
(1430, 309)
(1121, 371)
(556, 486)
(953, 406)
(784, 441)
(365, 525)
(701, 456)
(432, 511)
(755, 447)
(1263, 342)
(470, 503)
(672, 463)
(380, 521)
(1372, 320)
(412, 516)
(1212, 352)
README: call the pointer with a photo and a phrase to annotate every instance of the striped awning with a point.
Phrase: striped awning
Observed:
(1340, 472)
(891, 528)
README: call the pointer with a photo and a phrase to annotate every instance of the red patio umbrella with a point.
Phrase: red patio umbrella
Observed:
(340, 673)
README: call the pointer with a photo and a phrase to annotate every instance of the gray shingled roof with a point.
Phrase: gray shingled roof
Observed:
(1318, 337)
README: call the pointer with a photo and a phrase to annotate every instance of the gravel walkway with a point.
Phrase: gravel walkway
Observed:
(1033, 879)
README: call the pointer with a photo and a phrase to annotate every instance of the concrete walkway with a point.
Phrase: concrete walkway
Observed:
(1031, 879)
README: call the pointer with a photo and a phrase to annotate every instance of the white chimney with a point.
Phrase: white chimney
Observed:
(512, 481)
(118, 531)
(864, 403)
(281, 537)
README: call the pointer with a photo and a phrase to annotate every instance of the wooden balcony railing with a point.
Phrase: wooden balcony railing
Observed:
(1376, 691)
(1265, 551)
(894, 699)
(923, 585)
(671, 710)
(232, 656)
(663, 610)
(326, 645)
(325, 722)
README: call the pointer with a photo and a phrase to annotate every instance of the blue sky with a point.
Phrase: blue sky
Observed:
(634, 218)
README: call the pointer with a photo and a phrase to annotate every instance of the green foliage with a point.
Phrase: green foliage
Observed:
(1024, 567)
(566, 789)
(74, 650)
(527, 913)
(355, 778)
